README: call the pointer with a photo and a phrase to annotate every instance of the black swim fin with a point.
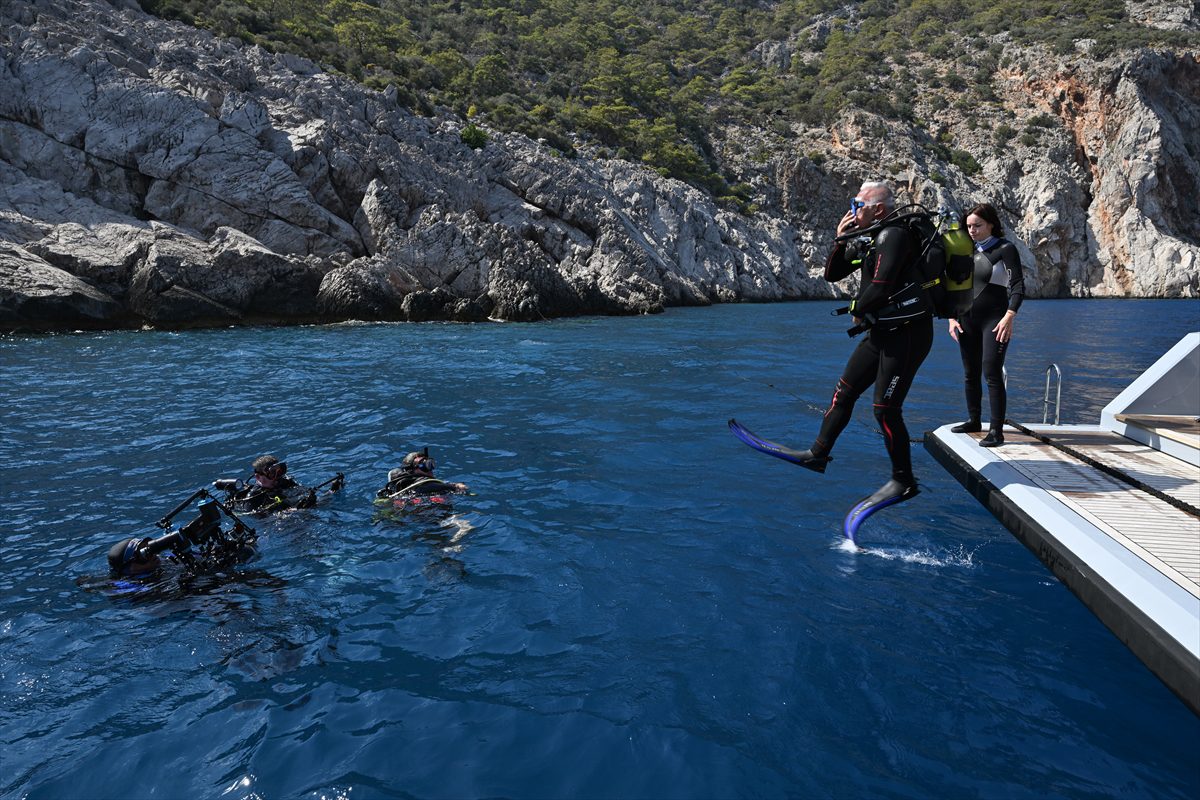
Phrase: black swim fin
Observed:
(803, 458)
(889, 494)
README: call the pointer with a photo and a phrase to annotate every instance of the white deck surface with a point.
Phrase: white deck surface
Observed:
(1114, 513)
(1145, 548)
(1166, 537)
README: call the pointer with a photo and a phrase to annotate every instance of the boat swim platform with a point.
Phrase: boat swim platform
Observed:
(1132, 557)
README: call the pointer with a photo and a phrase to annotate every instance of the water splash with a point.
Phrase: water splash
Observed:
(960, 557)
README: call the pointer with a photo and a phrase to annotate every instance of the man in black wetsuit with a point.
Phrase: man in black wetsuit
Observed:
(415, 475)
(892, 351)
(272, 489)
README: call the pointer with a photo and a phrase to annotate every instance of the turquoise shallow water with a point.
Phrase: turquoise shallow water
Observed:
(632, 604)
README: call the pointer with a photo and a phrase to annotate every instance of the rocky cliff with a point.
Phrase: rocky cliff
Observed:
(153, 174)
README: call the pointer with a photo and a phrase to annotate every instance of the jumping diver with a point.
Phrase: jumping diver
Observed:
(888, 357)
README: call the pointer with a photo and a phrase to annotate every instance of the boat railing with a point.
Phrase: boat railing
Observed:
(1057, 401)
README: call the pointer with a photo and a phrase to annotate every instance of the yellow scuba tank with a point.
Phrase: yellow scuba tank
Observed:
(946, 264)
(960, 268)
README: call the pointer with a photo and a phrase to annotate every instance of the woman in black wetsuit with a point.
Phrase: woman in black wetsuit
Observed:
(984, 332)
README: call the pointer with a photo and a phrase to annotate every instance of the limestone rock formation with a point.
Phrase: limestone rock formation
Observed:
(1171, 15)
(37, 296)
(1096, 202)
(193, 181)
(151, 173)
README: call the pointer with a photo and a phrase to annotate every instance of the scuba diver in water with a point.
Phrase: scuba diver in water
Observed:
(412, 489)
(415, 477)
(270, 488)
(202, 545)
(132, 559)
(892, 309)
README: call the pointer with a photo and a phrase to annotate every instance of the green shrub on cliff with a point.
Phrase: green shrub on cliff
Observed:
(652, 79)
(473, 136)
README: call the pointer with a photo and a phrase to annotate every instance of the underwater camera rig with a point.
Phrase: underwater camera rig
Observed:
(201, 545)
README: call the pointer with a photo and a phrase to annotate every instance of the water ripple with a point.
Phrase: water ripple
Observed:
(629, 603)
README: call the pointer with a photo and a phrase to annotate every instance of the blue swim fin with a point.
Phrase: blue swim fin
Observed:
(889, 494)
(804, 458)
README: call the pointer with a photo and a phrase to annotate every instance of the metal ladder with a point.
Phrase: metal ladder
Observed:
(1057, 401)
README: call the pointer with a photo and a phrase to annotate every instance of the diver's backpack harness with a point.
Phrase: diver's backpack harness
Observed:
(946, 263)
(943, 267)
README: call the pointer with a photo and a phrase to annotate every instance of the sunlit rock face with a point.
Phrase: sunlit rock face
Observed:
(152, 174)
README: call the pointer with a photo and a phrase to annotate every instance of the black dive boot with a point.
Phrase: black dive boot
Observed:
(995, 438)
(808, 460)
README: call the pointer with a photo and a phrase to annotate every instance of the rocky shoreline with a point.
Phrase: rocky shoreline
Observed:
(154, 175)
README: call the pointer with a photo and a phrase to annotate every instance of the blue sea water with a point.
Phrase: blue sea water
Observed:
(630, 604)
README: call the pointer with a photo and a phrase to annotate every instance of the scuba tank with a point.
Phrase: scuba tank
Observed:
(959, 270)
(946, 264)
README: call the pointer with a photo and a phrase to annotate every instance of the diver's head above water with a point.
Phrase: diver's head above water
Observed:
(268, 470)
(419, 463)
(127, 559)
